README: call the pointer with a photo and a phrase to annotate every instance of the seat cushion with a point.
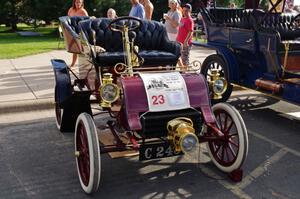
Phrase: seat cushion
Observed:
(151, 58)
(155, 57)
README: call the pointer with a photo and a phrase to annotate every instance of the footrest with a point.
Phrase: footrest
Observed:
(274, 87)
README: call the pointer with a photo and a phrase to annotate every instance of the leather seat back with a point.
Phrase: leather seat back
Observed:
(150, 36)
(281, 22)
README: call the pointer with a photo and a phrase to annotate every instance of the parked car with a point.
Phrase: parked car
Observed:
(160, 111)
(255, 48)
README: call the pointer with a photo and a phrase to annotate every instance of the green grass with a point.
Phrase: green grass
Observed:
(13, 45)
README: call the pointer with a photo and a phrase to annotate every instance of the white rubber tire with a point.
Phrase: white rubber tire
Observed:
(94, 153)
(57, 122)
(242, 134)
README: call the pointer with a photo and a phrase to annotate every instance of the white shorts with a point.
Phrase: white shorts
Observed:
(172, 36)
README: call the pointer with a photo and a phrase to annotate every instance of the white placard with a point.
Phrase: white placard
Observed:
(165, 91)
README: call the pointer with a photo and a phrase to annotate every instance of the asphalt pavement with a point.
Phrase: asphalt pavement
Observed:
(37, 161)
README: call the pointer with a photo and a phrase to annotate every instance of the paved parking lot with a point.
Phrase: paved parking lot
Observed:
(36, 161)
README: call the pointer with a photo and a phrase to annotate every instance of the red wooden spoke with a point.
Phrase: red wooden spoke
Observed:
(228, 157)
(233, 143)
(229, 127)
(218, 149)
(231, 150)
(231, 135)
(225, 122)
(220, 122)
(223, 149)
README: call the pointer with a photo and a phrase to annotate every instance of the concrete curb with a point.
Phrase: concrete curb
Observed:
(26, 105)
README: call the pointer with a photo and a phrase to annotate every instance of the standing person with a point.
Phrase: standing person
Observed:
(77, 9)
(137, 9)
(185, 34)
(111, 13)
(172, 18)
(148, 6)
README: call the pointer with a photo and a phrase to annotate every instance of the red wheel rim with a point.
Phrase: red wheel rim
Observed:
(58, 113)
(84, 158)
(225, 150)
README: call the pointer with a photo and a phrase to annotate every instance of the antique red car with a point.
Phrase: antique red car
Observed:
(160, 110)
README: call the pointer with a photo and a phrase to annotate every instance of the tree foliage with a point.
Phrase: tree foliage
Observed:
(10, 11)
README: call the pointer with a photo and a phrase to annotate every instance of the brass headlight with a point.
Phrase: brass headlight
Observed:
(219, 86)
(181, 134)
(109, 92)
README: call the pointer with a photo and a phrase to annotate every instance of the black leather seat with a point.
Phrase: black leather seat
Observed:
(151, 58)
(151, 38)
(237, 18)
(281, 22)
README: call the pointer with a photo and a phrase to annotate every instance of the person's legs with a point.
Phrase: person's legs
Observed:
(185, 56)
(74, 59)
(180, 64)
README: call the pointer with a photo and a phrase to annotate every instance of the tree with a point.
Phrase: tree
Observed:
(44, 9)
(4, 12)
(11, 9)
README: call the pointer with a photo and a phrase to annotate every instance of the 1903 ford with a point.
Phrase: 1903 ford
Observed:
(160, 110)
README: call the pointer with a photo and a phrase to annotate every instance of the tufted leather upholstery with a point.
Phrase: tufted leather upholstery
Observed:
(231, 17)
(151, 37)
(255, 20)
(248, 19)
(283, 23)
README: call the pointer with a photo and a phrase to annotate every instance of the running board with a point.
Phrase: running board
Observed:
(274, 87)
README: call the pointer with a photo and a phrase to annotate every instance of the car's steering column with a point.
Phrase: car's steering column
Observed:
(125, 25)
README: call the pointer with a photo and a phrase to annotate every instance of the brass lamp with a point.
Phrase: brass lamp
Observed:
(218, 85)
(181, 135)
(109, 92)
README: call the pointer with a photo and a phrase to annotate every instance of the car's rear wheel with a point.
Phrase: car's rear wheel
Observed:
(229, 152)
(216, 62)
(58, 111)
(87, 153)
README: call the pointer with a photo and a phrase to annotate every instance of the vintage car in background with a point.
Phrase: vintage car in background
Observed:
(255, 48)
(159, 110)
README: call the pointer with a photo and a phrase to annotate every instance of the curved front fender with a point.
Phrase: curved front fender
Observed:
(63, 87)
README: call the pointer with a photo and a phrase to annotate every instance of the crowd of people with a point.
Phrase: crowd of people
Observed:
(178, 22)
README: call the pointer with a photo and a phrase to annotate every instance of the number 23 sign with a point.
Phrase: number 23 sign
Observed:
(158, 99)
(165, 91)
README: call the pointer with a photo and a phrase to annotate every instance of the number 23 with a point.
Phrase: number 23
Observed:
(156, 100)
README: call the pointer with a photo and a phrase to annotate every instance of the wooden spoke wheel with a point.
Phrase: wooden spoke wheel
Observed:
(229, 152)
(87, 153)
